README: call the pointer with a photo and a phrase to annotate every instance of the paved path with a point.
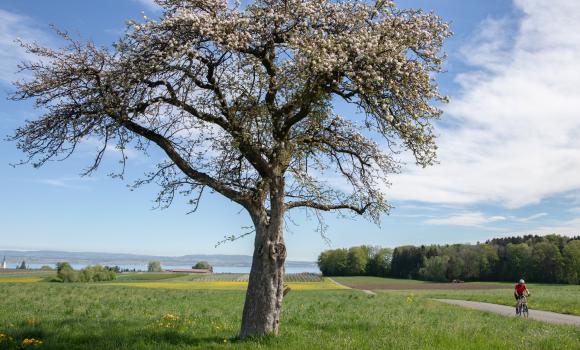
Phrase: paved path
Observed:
(545, 316)
(369, 292)
(366, 291)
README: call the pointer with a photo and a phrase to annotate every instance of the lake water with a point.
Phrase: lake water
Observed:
(216, 269)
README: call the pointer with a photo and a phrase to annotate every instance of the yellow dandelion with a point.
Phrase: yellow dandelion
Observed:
(5, 338)
(31, 342)
(170, 317)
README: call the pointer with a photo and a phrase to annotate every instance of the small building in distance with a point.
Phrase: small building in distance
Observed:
(4, 267)
(189, 270)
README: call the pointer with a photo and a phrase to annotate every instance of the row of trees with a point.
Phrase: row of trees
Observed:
(155, 266)
(96, 273)
(356, 261)
(550, 259)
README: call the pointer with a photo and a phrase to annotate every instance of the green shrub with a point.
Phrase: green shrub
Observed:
(97, 273)
(62, 265)
(202, 265)
(154, 266)
(68, 275)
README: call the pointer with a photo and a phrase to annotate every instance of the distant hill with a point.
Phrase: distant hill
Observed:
(111, 259)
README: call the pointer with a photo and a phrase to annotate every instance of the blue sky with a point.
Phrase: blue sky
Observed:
(509, 146)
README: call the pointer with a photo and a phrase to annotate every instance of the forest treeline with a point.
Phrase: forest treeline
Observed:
(549, 259)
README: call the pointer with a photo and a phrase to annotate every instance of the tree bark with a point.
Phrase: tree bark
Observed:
(261, 315)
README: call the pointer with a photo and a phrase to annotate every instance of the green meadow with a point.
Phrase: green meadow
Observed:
(557, 298)
(121, 315)
(561, 298)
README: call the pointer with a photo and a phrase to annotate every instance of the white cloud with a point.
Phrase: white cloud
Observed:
(465, 219)
(516, 134)
(489, 47)
(12, 27)
(67, 182)
(568, 228)
(529, 218)
(478, 219)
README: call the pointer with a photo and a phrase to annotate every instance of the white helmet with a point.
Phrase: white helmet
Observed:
(522, 281)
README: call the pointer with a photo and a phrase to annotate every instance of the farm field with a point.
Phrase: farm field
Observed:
(117, 315)
(152, 276)
(378, 283)
(26, 276)
(225, 281)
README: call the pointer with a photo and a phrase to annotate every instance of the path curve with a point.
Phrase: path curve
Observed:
(546, 316)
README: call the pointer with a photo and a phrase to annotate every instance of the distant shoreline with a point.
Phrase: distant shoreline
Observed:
(216, 269)
(220, 262)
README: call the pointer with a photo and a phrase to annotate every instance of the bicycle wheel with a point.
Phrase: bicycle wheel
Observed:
(525, 311)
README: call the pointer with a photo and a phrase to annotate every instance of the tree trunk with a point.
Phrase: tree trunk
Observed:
(261, 314)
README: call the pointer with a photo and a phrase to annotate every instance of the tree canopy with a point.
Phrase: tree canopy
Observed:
(154, 266)
(202, 265)
(234, 95)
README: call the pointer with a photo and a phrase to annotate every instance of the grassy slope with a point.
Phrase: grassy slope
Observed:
(79, 316)
(549, 297)
(558, 298)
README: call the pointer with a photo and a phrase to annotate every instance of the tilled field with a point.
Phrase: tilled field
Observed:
(426, 285)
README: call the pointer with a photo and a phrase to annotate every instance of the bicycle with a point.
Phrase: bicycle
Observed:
(522, 307)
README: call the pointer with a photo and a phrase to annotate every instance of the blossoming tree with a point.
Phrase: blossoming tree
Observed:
(240, 100)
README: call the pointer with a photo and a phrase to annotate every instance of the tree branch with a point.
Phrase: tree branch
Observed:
(182, 164)
(327, 207)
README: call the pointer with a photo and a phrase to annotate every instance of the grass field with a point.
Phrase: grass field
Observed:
(120, 316)
(558, 298)
(562, 299)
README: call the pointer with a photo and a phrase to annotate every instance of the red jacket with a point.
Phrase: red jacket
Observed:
(520, 288)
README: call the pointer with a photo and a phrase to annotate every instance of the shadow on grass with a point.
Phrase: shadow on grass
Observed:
(90, 334)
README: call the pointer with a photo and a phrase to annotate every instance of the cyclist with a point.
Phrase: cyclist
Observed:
(519, 292)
